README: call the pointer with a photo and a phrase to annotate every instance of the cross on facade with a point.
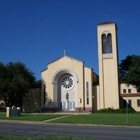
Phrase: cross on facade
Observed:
(64, 52)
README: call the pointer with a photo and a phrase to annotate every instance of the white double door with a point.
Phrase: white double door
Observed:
(70, 105)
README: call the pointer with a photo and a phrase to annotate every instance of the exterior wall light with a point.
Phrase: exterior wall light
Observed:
(80, 100)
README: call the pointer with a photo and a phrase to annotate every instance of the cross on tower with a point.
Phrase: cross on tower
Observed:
(64, 52)
(106, 17)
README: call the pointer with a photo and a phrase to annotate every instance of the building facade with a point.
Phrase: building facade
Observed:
(68, 85)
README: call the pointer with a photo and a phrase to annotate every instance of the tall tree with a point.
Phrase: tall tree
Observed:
(17, 80)
(130, 70)
(3, 83)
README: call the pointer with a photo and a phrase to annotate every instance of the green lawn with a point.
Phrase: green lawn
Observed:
(30, 117)
(9, 137)
(102, 118)
(95, 118)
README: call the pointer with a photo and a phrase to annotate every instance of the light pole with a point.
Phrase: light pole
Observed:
(67, 98)
(126, 112)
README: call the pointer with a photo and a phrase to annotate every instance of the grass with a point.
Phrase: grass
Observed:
(9, 137)
(30, 117)
(95, 118)
(102, 118)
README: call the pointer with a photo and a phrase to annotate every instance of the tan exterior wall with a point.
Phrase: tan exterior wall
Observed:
(95, 92)
(31, 102)
(65, 63)
(108, 70)
(84, 75)
(95, 78)
(133, 96)
(110, 86)
(133, 102)
(88, 78)
(96, 101)
(125, 86)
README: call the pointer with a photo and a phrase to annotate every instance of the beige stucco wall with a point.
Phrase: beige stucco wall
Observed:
(133, 96)
(125, 86)
(108, 70)
(96, 97)
(95, 92)
(88, 78)
(95, 78)
(64, 63)
(133, 101)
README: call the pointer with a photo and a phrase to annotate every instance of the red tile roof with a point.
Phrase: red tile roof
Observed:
(130, 95)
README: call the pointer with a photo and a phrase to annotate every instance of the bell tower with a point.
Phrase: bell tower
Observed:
(108, 65)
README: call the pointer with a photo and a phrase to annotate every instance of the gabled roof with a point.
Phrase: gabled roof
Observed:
(62, 57)
(44, 70)
(88, 67)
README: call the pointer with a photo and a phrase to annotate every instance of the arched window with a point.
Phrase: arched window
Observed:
(106, 43)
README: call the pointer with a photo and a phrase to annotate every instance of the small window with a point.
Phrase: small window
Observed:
(87, 85)
(87, 92)
(106, 43)
(124, 90)
(87, 100)
(138, 102)
(130, 102)
(129, 90)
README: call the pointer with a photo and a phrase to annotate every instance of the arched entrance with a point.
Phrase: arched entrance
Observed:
(64, 89)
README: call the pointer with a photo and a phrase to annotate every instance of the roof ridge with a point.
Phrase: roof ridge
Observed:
(62, 57)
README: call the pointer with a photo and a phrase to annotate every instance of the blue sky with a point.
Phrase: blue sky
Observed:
(35, 32)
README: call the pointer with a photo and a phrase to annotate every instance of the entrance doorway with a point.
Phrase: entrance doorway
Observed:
(67, 93)
(69, 107)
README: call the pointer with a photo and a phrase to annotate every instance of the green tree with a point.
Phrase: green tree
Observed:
(3, 83)
(129, 69)
(16, 81)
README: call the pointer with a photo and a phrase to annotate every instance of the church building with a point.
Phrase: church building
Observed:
(68, 85)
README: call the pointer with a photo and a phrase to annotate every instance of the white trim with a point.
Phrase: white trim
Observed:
(59, 73)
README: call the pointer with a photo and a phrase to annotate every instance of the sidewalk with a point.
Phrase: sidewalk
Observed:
(45, 121)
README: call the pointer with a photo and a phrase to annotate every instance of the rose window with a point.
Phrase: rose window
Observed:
(67, 82)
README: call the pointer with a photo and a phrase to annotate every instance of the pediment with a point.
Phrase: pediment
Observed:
(65, 58)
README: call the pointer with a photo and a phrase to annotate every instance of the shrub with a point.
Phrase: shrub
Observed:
(2, 109)
(111, 110)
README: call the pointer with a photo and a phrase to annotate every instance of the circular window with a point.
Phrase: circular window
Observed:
(67, 82)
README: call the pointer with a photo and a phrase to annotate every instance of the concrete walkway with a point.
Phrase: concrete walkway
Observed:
(48, 120)
(67, 114)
